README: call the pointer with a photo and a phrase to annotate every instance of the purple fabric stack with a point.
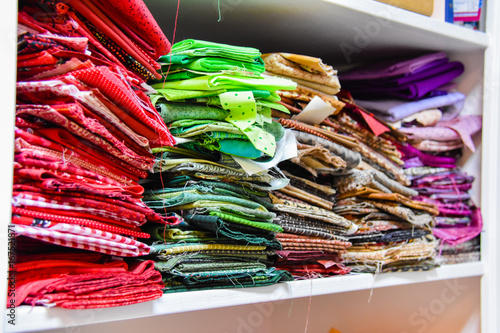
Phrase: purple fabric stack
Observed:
(417, 96)
(459, 222)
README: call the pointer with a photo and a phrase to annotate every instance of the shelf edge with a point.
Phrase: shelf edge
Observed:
(38, 318)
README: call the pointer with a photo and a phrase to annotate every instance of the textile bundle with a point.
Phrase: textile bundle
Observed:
(378, 226)
(218, 175)
(84, 132)
(82, 279)
(314, 237)
(426, 109)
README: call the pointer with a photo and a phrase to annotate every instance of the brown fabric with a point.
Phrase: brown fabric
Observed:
(418, 218)
(324, 191)
(357, 192)
(428, 207)
(335, 103)
(277, 64)
(307, 197)
(317, 158)
(378, 143)
(342, 139)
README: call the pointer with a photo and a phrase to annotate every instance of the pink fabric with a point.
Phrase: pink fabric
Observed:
(458, 235)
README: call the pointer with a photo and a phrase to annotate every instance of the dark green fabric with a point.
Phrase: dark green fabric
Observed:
(182, 198)
(272, 277)
(258, 196)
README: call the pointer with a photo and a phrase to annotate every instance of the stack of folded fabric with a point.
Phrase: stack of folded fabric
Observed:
(394, 231)
(417, 97)
(82, 280)
(413, 78)
(314, 237)
(459, 222)
(218, 175)
(315, 80)
(85, 127)
(238, 119)
(340, 146)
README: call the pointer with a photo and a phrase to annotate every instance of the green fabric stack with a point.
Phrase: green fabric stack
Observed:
(214, 95)
(218, 106)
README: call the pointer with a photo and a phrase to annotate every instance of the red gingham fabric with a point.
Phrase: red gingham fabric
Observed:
(28, 216)
(75, 204)
(84, 238)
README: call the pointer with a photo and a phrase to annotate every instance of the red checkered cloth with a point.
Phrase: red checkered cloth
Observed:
(79, 205)
(84, 238)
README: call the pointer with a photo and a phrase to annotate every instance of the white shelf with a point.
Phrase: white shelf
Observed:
(338, 31)
(39, 318)
(325, 29)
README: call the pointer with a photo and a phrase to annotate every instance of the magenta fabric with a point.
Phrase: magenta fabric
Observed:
(461, 234)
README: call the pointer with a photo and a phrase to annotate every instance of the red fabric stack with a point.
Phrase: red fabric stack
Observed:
(84, 132)
(78, 280)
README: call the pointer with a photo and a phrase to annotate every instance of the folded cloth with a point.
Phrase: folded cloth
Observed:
(460, 234)
(409, 86)
(461, 128)
(215, 82)
(391, 68)
(82, 282)
(394, 110)
(216, 64)
(200, 48)
(116, 90)
(300, 69)
(82, 238)
(140, 23)
(374, 179)
(266, 277)
(352, 158)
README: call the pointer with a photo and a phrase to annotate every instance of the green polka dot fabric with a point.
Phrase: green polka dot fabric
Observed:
(243, 114)
(242, 107)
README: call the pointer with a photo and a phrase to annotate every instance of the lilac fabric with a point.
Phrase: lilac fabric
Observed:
(461, 128)
(393, 110)
(433, 190)
(444, 178)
